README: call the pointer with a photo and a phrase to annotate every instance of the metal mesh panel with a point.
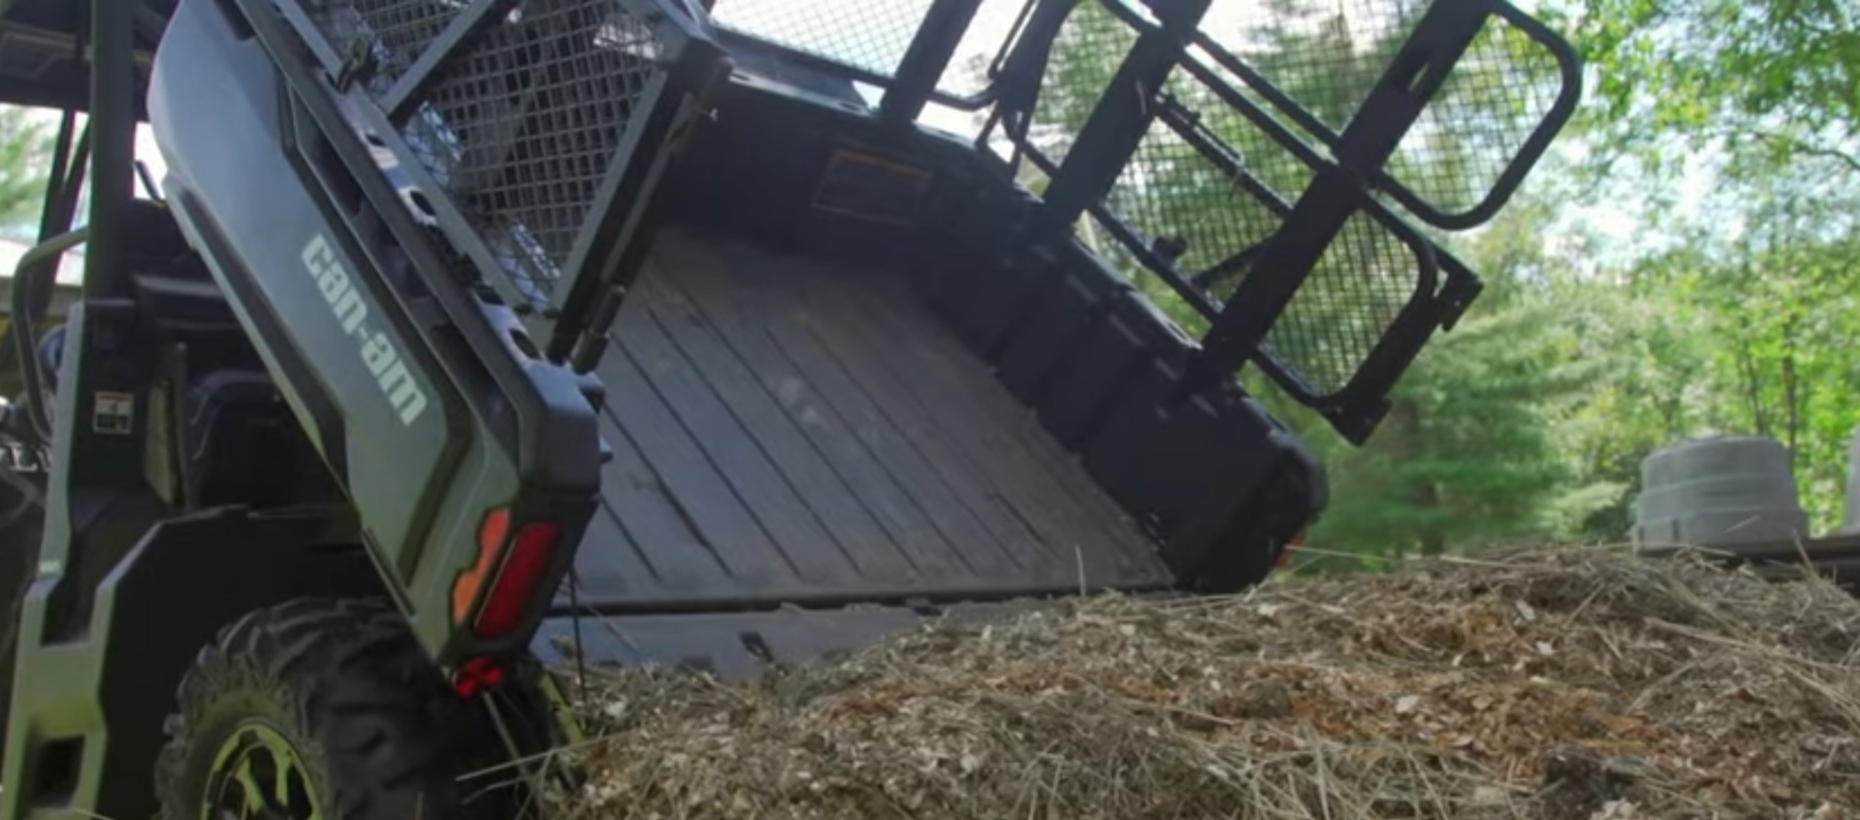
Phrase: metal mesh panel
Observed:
(967, 72)
(867, 34)
(1268, 158)
(522, 126)
(1325, 54)
(1328, 55)
(1085, 57)
(1190, 208)
(1345, 306)
(397, 31)
(1504, 85)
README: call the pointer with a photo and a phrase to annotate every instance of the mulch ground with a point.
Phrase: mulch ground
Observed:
(1556, 684)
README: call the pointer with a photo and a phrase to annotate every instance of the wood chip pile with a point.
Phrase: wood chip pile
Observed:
(1556, 684)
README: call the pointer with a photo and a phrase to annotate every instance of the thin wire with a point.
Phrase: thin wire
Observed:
(581, 652)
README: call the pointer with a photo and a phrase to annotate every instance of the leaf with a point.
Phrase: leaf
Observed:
(1525, 611)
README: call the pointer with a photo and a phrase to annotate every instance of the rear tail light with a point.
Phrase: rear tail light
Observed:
(524, 565)
(477, 675)
(1291, 546)
(503, 579)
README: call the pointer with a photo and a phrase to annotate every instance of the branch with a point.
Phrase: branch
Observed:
(1800, 147)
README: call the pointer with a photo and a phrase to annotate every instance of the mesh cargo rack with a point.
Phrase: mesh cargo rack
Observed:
(528, 132)
(1270, 180)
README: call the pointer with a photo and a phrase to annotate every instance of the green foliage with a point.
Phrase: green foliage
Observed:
(1466, 454)
(1778, 309)
(1588, 351)
(1776, 83)
(25, 157)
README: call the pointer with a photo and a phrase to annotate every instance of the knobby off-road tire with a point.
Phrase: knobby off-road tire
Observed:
(343, 688)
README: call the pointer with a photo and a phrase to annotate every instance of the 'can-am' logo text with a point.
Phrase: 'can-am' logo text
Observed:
(377, 351)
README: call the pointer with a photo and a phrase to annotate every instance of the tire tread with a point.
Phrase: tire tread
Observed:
(351, 688)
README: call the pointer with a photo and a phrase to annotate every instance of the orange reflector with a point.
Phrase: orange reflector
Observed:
(1285, 552)
(524, 565)
(491, 535)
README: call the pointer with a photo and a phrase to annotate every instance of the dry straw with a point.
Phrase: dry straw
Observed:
(1556, 684)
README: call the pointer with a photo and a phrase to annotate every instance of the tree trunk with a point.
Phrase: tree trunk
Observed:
(1433, 541)
(1753, 391)
(1792, 403)
(1404, 431)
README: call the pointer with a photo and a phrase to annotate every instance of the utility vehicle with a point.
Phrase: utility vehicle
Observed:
(440, 341)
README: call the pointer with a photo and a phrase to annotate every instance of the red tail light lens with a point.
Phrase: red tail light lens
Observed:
(477, 675)
(525, 562)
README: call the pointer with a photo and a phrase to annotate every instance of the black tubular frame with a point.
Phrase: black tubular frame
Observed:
(102, 150)
(599, 267)
(1337, 193)
(399, 100)
(1345, 185)
(1437, 44)
(1419, 315)
(1118, 122)
(929, 54)
(113, 147)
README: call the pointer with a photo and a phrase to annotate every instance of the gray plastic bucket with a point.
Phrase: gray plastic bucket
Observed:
(1719, 491)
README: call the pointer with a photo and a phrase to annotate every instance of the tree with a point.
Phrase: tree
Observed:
(25, 158)
(1773, 83)
(1467, 453)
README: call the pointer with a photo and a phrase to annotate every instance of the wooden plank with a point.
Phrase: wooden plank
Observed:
(827, 494)
(875, 483)
(749, 299)
(957, 358)
(609, 565)
(762, 488)
(896, 363)
(826, 321)
(962, 366)
(1048, 488)
(698, 491)
(672, 551)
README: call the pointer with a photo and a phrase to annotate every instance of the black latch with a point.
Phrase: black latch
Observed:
(359, 66)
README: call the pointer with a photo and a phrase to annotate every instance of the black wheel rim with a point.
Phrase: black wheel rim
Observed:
(259, 775)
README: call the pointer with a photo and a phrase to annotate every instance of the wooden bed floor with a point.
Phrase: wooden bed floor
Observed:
(788, 431)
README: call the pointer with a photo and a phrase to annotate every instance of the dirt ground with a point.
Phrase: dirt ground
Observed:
(1560, 684)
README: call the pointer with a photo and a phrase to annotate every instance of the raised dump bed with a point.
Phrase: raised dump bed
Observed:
(841, 358)
(863, 366)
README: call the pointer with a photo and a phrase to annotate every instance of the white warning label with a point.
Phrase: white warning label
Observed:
(113, 414)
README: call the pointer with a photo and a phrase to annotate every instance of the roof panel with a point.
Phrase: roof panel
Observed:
(38, 62)
(67, 16)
